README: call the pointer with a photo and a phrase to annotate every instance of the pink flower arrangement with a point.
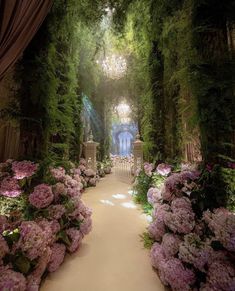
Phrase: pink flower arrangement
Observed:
(32, 239)
(47, 229)
(158, 228)
(220, 276)
(90, 173)
(148, 169)
(12, 281)
(56, 211)
(177, 275)
(185, 243)
(57, 257)
(58, 173)
(222, 223)
(180, 221)
(195, 251)
(75, 237)
(154, 195)
(9, 187)
(58, 190)
(23, 169)
(181, 203)
(157, 256)
(42, 196)
(163, 169)
(34, 279)
(92, 182)
(170, 244)
(86, 226)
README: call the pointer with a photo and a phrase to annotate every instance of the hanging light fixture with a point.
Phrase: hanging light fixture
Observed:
(114, 66)
(123, 111)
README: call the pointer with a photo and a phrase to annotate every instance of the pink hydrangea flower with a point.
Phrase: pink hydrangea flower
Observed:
(163, 169)
(32, 239)
(220, 276)
(86, 226)
(74, 192)
(24, 169)
(90, 173)
(222, 223)
(148, 168)
(58, 190)
(77, 172)
(4, 249)
(154, 195)
(75, 237)
(195, 252)
(58, 173)
(55, 226)
(12, 281)
(57, 256)
(160, 210)
(157, 229)
(174, 184)
(56, 211)
(77, 178)
(181, 203)
(157, 256)
(181, 221)
(170, 244)
(34, 279)
(46, 226)
(177, 275)
(9, 187)
(92, 182)
(42, 196)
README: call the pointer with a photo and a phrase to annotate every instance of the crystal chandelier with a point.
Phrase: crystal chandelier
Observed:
(123, 111)
(114, 66)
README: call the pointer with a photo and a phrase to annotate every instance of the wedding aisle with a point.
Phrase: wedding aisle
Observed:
(112, 257)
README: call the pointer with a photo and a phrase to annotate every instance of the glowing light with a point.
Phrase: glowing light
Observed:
(123, 109)
(114, 66)
(107, 202)
(119, 196)
(130, 205)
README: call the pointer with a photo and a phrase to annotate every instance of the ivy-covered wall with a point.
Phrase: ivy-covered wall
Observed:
(56, 69)
(182, 75)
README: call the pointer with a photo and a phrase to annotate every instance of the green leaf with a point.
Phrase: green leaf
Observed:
(22, 264)
(62, 236)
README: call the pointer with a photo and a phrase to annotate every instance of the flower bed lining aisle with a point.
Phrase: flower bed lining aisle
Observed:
(193, 247)
(42, 218)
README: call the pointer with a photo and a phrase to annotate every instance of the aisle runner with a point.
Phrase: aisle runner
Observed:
(112, 257)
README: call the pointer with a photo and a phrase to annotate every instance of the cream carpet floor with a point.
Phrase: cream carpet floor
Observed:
(112, 257)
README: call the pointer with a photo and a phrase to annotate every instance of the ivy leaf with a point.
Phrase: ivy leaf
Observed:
(22, 182)
(11, 236)
(62, 236)
(22, 264)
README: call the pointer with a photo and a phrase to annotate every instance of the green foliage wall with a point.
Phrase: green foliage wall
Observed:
(183, 74)
(56, 69)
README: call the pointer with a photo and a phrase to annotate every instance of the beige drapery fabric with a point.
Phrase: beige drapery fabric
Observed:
(19, 21)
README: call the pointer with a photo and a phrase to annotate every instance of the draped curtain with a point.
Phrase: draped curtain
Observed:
(19, 21)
